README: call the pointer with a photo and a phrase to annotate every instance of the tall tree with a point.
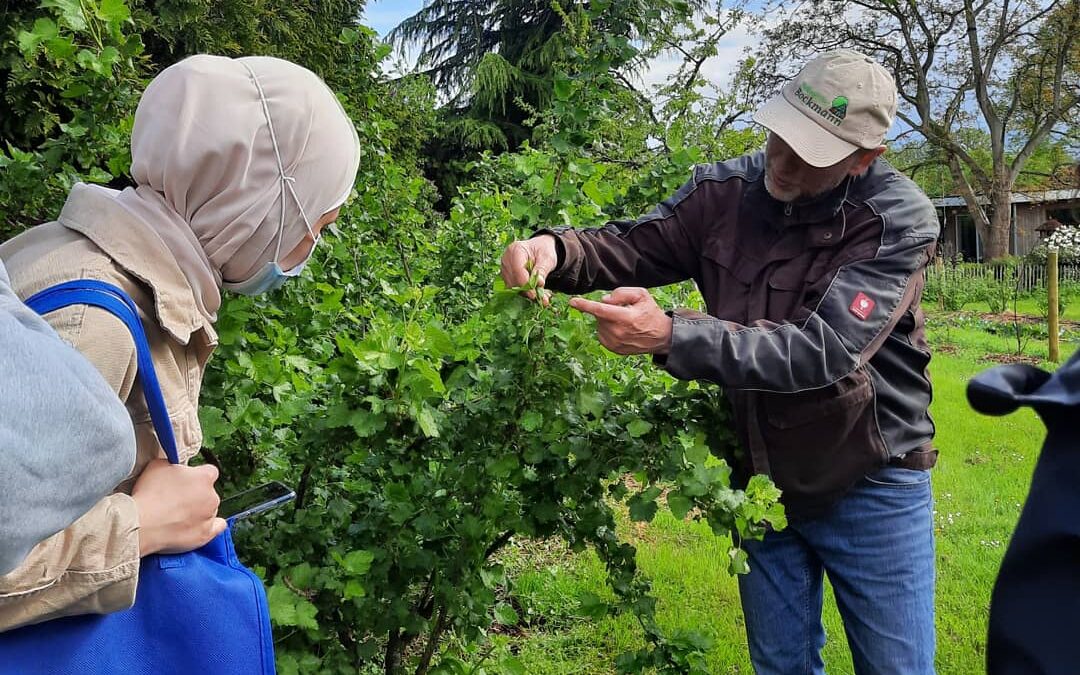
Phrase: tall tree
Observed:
(1003, 66)
(497, 66)
(487, 59)
(1051, 166)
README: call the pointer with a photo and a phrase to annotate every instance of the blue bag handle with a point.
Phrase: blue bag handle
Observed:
(119, 304)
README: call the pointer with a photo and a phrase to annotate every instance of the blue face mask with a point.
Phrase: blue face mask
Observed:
(270, 278)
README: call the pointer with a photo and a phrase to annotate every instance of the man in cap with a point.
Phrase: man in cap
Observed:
(810, 258)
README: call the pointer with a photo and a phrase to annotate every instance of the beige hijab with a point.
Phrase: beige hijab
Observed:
(209, 181)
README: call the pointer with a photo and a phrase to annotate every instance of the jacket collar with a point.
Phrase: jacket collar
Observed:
(94, 213)
(786, 214)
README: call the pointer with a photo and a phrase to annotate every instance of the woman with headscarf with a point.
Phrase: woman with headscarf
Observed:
(238, 164)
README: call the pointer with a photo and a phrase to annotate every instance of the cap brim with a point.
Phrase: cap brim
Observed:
(810, 141)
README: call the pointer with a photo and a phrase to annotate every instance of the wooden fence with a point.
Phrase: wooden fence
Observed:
(1030, 276)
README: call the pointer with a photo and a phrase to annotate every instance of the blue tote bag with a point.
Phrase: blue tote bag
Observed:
(200, 613)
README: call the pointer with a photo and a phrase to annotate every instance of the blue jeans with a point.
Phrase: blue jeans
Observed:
(877, 546)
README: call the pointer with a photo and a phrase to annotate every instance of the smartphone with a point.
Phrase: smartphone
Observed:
(255, 500)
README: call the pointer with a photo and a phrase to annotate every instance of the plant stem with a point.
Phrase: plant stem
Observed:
(499, 542)
(394, 648)
(302, 488)
(432, 642)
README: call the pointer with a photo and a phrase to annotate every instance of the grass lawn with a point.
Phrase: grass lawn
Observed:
(979, 484)
(1028, 306)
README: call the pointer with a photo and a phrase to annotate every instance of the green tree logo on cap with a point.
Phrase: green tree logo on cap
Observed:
(839, 107)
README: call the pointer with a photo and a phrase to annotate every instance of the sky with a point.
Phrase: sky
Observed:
(383, 15)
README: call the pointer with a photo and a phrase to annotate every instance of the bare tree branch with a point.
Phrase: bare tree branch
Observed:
(982, 92)
(1056, 107)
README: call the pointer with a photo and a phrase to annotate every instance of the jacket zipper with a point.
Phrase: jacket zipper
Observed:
(787, 209)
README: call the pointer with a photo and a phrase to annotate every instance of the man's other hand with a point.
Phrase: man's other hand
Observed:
(628, 321)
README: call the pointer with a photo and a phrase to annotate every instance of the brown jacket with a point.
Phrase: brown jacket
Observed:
(813, 326)
(93, 565)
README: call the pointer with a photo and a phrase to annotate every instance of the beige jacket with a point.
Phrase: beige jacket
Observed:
(93, 565)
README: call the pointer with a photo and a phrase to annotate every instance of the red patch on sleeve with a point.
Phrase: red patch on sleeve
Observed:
(862, 306)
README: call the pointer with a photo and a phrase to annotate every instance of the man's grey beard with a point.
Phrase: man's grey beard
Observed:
(778, 194)
(795, 194)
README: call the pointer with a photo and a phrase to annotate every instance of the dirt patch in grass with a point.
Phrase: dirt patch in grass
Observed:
(1012, 358)
(1025, 319)
(524, 553)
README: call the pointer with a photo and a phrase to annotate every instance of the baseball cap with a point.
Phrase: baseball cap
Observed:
(839, 102)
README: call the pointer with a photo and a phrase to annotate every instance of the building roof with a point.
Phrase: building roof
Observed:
(1045, 196)
(1040, 197)
(939, 202)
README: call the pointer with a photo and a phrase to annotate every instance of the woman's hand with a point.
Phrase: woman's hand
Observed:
(177, 507)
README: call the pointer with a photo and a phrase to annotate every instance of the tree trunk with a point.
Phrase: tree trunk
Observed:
(999, 230)
(971, 200)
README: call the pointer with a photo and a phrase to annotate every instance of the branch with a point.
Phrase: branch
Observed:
(999, 41)
(675, 45)
(1056, 111)
(953, 108)
(426, 601)
(302, 487)
(921, 84)
(939, 137)
(392, 660)
(903, 135)
(642, 99)
(499, 542)
(645, 103)
(913, 169)
(432, 642)
(1014, 99)
(968, 194)
(982, 93)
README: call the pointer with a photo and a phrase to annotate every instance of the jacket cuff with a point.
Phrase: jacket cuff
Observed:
(560, 248)
(568, 253)
(115, 586)
(92, 568)
(128, 527)
(692, 334)
(660, 360)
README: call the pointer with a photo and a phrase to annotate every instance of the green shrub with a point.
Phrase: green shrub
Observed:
(1042, 301)
(999, 287)
(73, 73)
(950, 289)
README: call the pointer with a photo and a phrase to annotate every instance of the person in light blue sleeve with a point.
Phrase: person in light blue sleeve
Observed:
(66, 439)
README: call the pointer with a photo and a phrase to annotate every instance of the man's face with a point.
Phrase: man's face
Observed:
(788, 178)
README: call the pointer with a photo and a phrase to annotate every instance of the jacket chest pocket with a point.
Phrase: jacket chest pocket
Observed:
(783, 299)
(785, 288)
(726, 280)
(794, 287)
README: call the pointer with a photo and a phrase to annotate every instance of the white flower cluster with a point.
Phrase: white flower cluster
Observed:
(1066, 239)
